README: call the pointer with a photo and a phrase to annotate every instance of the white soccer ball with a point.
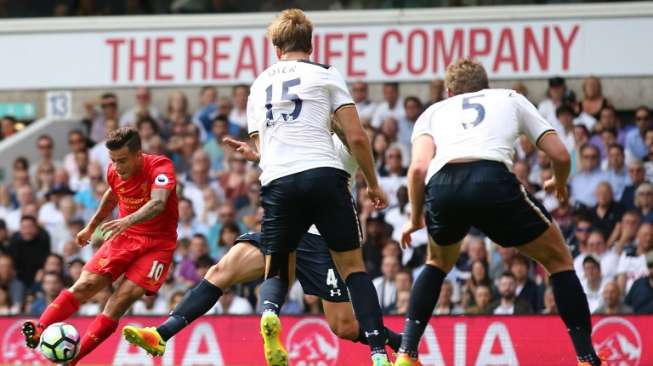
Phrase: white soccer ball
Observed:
(59, 342)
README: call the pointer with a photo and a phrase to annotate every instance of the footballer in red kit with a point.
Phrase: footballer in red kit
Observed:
(138, 245)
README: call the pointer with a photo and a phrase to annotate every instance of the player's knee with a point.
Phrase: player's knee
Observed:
(345, 328)
(445, 266)
(83, 289)
(220, 275)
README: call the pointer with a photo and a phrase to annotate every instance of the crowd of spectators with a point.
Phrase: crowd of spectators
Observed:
(47, 8)
(608, 224)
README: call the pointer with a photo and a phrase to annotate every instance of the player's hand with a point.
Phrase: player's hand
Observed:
(114, 227)
(243, 148)
(84, 236)
(378, 197)
(409, 228)
(561, 191)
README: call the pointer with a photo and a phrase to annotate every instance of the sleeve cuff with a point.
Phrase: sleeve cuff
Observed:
(344, 106)
(547, 132)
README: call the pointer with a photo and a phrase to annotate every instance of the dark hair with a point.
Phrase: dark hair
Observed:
(230, 227)
(609, 107)
(616, 146)
(204, 261)
(205, 88)
(3, 224)
(21, 160)
(413, 98)
(45, 136)
(10, 118)
(564, 109)
(393, 84)
(591, 259)
(243, 86)
(518, 258)
(56, 274)
(150, 120)
(124, 136)
(108, 95)
(221, 118)
(644, 108)
(508, 274)
(5, 288)
(29, 218)
(588, 145)
(76, 261)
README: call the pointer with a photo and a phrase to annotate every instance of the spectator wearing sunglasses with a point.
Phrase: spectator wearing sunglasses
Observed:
(587, 179)
(96, 119)
(635, 144)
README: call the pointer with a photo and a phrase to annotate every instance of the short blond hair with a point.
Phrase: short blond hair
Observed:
(292, 31)
(466, 76)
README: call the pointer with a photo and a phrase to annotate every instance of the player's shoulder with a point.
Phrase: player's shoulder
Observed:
(309, 64)
(156, 160)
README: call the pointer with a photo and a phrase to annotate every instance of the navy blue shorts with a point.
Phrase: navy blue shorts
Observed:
(318, 196)
(315, 269)
(486, 195)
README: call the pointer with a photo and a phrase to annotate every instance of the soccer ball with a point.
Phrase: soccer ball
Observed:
(59, 342)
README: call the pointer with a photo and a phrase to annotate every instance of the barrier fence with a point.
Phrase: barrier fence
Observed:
(455, 341)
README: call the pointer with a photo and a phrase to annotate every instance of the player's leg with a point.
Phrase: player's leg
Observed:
(514, 218)
(106, 323)
(144, 274)
(448, 221)
(94, 278)
(283, 226)
(318, 276)
(424, 296)
(343, 323)
(242, 263)
(337, 221)
(550, 250)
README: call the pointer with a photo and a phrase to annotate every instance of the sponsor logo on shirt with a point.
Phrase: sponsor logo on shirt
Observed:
(161, 180)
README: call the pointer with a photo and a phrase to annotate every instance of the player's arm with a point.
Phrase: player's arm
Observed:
(151, 209)
(423, 152)
(248, 152)
(359, 145)
(553, 147)
(108, 202)
(340, 133)
(540, 132)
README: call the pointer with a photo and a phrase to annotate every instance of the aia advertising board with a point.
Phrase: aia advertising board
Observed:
(448, 341)
(405, 51)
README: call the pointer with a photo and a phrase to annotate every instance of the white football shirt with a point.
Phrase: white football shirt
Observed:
(483, 125)
(290, 106)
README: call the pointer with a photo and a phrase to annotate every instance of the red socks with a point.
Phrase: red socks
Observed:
(99, 330)
(60, 309)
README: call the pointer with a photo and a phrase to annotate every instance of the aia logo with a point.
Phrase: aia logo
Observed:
(618, 340)
(311, 343)
(15, 352)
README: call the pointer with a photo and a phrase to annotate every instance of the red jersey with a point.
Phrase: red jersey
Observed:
(157, 172)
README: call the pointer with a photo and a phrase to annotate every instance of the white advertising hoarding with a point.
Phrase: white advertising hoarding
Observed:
(408, 52)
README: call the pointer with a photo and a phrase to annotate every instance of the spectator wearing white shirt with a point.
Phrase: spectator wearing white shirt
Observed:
(612, 303)
(150, 305)
(588, 177)
(365, 107)
(565, 115)
(548, 107)
(231, 304)
(99, 153)
(385, 284)
(188, 224)
(238, 114)
(597, 248)
(509, 303)
(77, 142)
(143, 107)
(593, 282)
(97, 120)
(393, 174)
(392, 105)
(548, 199)
(399, 215)
(632, 262)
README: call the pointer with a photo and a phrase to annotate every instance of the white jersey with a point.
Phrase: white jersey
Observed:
(350, 164)
(290, 106)
(483, 125)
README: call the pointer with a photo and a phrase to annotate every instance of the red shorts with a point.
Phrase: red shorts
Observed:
(143, 260)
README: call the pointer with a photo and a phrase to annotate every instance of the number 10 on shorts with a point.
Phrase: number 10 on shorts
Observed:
(156, 270)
